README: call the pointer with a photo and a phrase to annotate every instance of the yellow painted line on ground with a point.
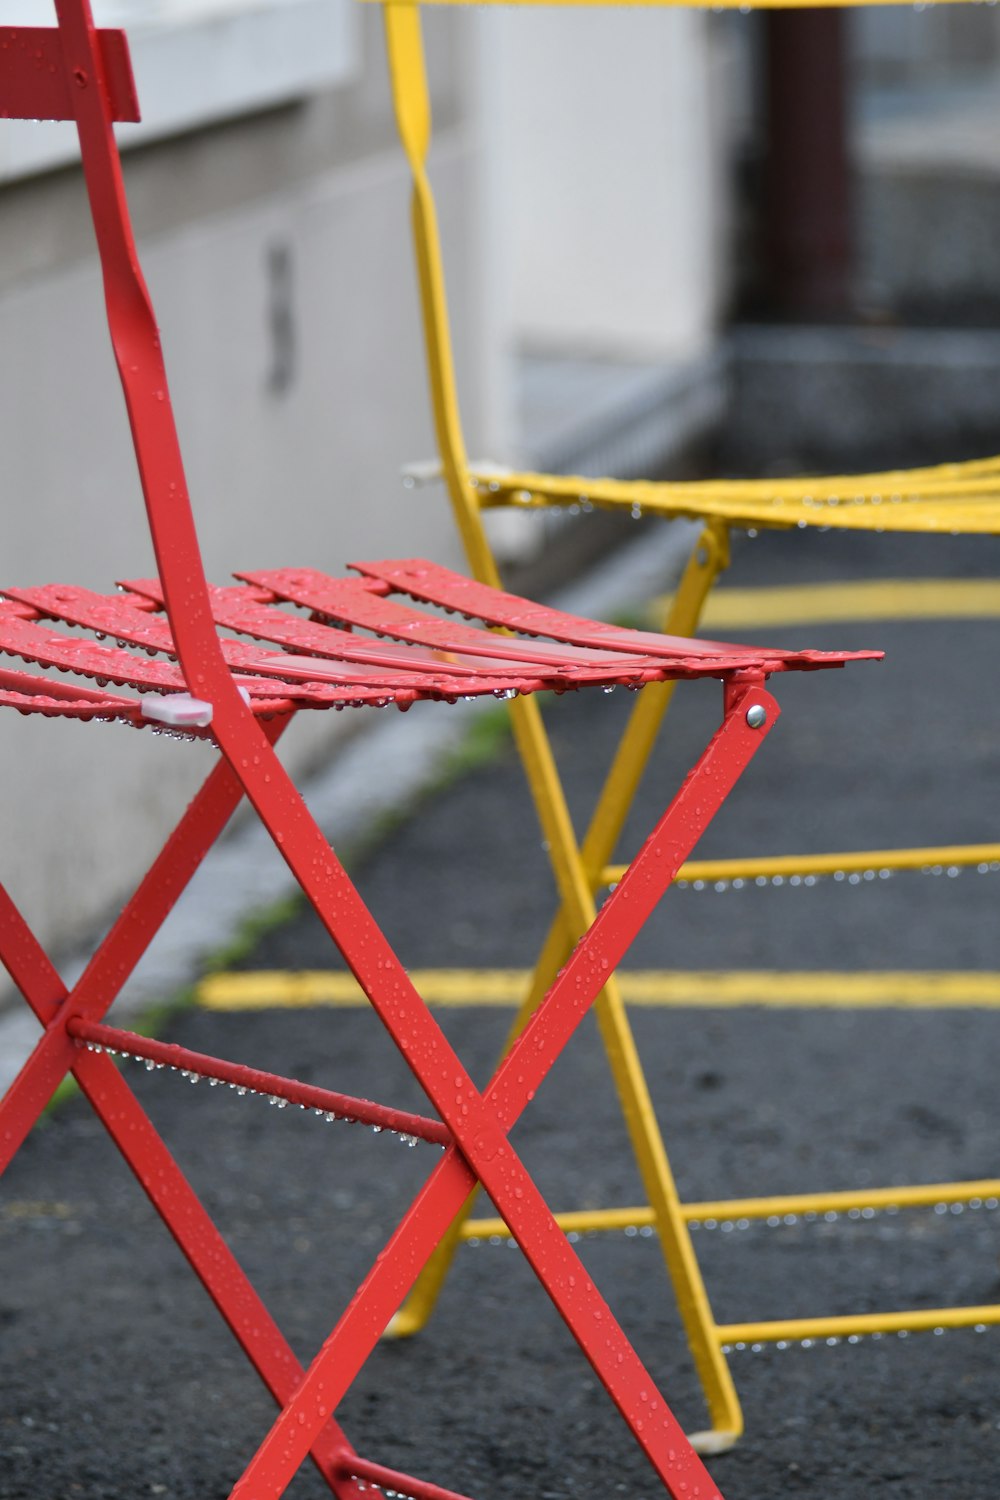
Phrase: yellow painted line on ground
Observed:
(840, 603)
(873, 989)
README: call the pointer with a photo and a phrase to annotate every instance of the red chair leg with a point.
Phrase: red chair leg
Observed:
(139, 1142)
(114, 960)
(480, 1124)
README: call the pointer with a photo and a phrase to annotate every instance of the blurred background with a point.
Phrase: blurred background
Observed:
(676, 242)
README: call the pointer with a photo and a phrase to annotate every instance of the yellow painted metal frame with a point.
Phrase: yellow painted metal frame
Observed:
(963, 497)
(945, 498)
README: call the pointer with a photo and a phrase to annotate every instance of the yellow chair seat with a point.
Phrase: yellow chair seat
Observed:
(959, 498)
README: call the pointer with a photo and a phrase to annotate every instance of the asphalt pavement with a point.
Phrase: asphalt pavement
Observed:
(121, 1380)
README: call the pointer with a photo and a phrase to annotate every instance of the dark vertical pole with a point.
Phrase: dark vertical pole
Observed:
(807, 200)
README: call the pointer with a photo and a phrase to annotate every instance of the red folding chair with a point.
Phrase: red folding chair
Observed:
(358, 640)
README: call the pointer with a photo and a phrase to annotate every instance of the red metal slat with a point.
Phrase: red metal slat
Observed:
(353, 686)
(35, 83)
(28, 683)
(238, 609)
(258, 1081)
(481, 653)
(436, 585)
(37, 643)
(432, 584)
(66, 708)
(114, 615)
(431, 673)
(343, 599)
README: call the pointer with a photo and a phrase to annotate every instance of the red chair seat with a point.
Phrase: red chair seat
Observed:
(325, 662)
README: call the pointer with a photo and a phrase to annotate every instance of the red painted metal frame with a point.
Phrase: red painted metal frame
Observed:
(480, 1124)
(273, 1086)
(474, 1126)
(35, 85)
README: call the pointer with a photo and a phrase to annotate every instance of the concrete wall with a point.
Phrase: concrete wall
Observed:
(278, 258)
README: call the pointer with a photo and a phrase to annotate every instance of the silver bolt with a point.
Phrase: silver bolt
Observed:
(757, 716)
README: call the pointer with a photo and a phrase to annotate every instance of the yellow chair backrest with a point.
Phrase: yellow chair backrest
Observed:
(970, 490)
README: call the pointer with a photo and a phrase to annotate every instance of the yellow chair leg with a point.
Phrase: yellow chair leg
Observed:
(576, 913)
(416, 1310)
(578, 874)
(709, 558)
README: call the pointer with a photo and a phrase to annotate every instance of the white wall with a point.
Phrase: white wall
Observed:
(609, 135)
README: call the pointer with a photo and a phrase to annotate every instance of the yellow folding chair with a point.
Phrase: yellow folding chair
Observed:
(952, 498)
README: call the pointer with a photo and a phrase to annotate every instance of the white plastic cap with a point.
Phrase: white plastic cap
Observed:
(421, 472)
(429, 471)
(179, 710)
